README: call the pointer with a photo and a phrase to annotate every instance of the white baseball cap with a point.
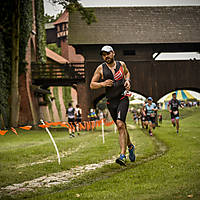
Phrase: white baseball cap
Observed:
(106, 48)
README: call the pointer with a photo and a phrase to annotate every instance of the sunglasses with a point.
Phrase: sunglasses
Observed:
(105, 53)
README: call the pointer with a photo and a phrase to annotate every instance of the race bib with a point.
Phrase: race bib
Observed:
(152, 114)
(175, 112)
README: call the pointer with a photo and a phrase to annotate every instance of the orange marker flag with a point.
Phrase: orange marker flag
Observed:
(26, 127)
(3, 132)
(53, 123)
(69, 125)
(98, 123)
(81, 126)
(88, 126)
(93, 124)
(43, 126)
(47, 123)
(64, 125)
(14, 131)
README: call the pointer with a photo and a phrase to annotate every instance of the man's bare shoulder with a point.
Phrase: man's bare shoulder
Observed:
(99, 69)
(122, 62)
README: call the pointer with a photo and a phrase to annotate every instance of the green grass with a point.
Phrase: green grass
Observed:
(172, 174)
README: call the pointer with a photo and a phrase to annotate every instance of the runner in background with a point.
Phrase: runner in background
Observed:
(70, 114)
(78, 117)
(173, 108)
(149, 111)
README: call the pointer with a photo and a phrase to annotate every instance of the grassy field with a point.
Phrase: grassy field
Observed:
(167, 165)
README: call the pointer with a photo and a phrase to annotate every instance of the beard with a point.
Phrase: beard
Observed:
(109, 60)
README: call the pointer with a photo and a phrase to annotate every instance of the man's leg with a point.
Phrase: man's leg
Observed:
(122, 136)
(131, 147)
(150, 128)
(146, 124)
(177, 124)
(173, 122)
(128, 137)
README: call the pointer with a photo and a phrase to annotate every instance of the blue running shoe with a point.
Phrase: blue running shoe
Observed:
(131, 150)
(121, 160)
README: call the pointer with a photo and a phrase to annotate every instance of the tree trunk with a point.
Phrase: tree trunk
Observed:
(15, 98)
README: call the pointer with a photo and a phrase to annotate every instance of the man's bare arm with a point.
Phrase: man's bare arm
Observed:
(127, 76)
(96, 77)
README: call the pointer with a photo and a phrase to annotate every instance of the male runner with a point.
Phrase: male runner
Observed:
(71, 118)
(116, 79)
(78, 117)
(173, 106)
(150, 112)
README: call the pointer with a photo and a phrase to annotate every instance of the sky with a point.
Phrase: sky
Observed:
(53, 10)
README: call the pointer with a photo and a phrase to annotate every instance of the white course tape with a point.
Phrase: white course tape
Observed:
(58, 155)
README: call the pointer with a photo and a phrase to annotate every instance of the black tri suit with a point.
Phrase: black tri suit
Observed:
(174, 104)
(117, 102)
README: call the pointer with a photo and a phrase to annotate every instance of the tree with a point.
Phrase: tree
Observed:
(15, 98)
(48, 18)
(70, 5)
(74, 5)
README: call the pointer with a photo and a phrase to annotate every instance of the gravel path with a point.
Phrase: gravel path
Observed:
(55, 178)
(71, 174)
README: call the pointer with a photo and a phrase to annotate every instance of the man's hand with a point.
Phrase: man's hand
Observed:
(127, 85)
(107, 83)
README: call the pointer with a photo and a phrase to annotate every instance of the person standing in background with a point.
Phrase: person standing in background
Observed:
(70, 114)
(78, 117)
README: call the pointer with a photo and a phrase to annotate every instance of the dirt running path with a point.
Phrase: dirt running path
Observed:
(69, 175)
(55, 178)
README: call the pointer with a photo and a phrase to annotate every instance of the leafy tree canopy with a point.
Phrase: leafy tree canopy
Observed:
(49, 18)
(74, 5)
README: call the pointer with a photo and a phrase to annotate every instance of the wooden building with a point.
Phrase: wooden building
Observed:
(136, 34)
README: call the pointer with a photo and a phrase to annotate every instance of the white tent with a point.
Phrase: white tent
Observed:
(136, 101)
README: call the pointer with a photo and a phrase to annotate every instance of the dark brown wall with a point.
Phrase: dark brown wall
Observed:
(156, 78)
(51, 36)
(148, 77)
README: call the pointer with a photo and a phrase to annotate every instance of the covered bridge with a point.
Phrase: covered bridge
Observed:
(137, 35)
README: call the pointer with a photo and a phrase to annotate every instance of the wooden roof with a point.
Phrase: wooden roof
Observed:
(137, 25)
(55, 57)
(63, 18)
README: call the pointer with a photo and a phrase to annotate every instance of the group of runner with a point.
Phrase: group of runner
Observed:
(149, 117)
(74, 116)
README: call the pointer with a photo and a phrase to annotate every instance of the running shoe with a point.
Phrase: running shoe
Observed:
(150, 133)
(131, 150)
(121, 160)
(177, 131)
